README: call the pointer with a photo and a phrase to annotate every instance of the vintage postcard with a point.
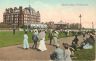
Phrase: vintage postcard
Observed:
(47, 30)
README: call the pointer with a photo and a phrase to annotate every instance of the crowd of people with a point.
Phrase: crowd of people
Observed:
(36, 36)
(59, 54)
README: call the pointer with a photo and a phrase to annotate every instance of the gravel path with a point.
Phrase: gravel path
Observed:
(18, 53)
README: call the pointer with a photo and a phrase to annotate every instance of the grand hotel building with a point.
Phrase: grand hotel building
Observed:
(21, 16)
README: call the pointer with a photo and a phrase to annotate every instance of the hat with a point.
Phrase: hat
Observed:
(65, 45)
(56, 32)
(35, 30)
(57, 45)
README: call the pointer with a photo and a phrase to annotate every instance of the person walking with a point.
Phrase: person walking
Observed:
(42, 45)
(35, 39)
(50, 36)
(55, 38)
(25, 41)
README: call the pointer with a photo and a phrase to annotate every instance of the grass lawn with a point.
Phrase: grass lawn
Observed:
(8, 39)
(85, 54)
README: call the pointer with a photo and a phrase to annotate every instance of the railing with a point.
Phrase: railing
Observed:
(6, 29)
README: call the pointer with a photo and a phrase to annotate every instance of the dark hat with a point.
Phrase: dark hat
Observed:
(65, 45)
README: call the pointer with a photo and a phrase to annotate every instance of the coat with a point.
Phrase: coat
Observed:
(58, 55)
(35, 37)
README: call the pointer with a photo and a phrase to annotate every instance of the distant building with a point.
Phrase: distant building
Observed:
(21, 16)
(60, 25)
(50, 25)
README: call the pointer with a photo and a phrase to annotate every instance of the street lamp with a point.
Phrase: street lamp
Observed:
(80, 22)
(92, 26)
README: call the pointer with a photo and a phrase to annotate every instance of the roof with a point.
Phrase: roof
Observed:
(61, 22)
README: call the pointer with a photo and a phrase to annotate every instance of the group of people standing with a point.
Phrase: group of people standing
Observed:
(58, 54)
(40, 36)
(36, 36)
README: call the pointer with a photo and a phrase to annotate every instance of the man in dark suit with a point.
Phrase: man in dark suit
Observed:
(35, 40)
(50, 36)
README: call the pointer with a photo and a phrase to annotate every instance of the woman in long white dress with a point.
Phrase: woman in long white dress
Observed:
(67, 53)
(25, 41)
(42, 46)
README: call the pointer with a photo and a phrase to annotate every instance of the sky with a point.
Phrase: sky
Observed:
(56, 10)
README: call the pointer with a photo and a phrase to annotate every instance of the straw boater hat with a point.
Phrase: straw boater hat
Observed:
(57, 45)
(65, 44)
(35, 30)
(56, 32)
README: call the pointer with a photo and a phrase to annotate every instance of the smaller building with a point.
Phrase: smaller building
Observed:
(61, 25)
(50, 25)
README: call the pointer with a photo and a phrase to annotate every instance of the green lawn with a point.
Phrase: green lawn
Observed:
(7, 38)
(85, 54)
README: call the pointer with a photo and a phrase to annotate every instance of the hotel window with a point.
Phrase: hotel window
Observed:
(24, 15)
(17, 15)
(16, 19)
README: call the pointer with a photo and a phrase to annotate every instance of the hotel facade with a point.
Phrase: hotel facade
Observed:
(21, 16)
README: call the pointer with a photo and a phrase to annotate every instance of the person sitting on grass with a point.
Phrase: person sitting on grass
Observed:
(75, 43)
(76, 40)
(25, 41)
(88, 43)
(91, 39)
(58, 54)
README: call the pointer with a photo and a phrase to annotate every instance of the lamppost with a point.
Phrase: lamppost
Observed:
(80, 22)
(93, 30)
(92, 26)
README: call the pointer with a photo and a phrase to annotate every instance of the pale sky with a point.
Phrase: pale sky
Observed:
(55, 10)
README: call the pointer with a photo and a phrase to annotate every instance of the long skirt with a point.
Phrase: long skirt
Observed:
(55, 41)
(42, 45)
(25, 45)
